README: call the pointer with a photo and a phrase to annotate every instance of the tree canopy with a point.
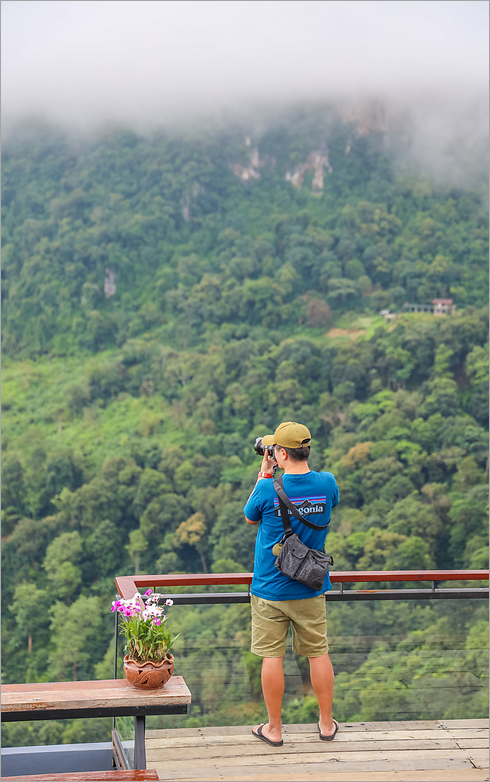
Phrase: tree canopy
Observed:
(160, 311)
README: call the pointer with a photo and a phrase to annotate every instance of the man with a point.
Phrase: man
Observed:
(278, 600)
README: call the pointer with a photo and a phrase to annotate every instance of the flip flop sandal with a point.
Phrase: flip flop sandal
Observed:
(260, 735)
(329, 738)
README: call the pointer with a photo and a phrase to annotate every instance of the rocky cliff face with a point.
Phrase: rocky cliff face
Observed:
(316, 161)
(109, 283)
(248, 172)
(364, 118)
(367, 117)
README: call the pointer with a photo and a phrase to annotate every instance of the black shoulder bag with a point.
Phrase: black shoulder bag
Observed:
(295, 560)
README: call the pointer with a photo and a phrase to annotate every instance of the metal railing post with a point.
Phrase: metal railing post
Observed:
(116, 633)
(139, 743)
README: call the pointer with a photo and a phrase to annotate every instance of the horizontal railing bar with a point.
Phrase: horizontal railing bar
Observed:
(102, 711)
(128, 585)
(209, 598)
(335, 595)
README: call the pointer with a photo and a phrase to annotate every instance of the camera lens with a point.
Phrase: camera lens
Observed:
(258, 447)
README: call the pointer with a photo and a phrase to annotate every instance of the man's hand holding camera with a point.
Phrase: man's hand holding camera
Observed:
(267, 466)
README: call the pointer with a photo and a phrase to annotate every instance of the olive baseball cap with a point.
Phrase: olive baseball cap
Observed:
(289, 435)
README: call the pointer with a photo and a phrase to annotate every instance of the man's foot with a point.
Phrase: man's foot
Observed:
(328, 732)
(265, 733)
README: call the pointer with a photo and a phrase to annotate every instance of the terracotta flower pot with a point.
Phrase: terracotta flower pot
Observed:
(149, 675)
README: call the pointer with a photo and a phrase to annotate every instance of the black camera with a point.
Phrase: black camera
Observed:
(261, 449)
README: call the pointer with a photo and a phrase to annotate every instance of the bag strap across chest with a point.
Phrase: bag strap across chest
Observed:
(285, 504)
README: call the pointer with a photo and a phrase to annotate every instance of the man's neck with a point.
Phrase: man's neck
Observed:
(301, 468)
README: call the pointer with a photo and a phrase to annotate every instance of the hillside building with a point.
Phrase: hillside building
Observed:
(438, 307)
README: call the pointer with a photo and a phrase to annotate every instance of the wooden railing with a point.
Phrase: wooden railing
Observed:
(128, 585)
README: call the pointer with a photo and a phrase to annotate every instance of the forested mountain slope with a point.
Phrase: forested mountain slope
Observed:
(167, 299)
(206, 233)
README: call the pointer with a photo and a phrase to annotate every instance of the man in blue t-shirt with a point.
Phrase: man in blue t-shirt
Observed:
(278, 601)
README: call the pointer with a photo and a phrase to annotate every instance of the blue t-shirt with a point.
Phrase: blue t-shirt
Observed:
(314, 494)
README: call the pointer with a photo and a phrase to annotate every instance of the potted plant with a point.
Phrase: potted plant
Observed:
(148, 663)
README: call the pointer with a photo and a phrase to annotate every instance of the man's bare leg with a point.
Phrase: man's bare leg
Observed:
(273, 689)
(321, 674)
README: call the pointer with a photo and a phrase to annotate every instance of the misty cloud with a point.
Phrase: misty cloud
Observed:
(91, 61)
(144, 63)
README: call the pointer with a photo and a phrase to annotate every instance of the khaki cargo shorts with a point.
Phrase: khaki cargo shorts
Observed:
(271, 620)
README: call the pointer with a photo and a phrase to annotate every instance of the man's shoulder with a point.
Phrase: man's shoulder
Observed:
(324, 476)
(325, 481)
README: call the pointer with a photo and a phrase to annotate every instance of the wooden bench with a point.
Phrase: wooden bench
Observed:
(104, 698)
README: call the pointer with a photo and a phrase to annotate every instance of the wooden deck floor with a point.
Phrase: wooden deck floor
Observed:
(436, 751)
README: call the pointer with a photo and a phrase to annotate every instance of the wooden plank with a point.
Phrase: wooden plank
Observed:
(184, 732)
(472, 743)
(375, 726)
(467, 774)
(89, 686)
(451, 724)
(279, 758)
(181, 746)
(245, 771)
(156, 755)
(48, 696)
(133, 775)
(311, 728)
(389, 725)
(478, 760)
(299, 738)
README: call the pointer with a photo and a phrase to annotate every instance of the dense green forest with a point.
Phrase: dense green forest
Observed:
(167, 298)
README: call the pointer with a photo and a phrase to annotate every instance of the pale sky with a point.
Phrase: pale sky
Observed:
(88, 61)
